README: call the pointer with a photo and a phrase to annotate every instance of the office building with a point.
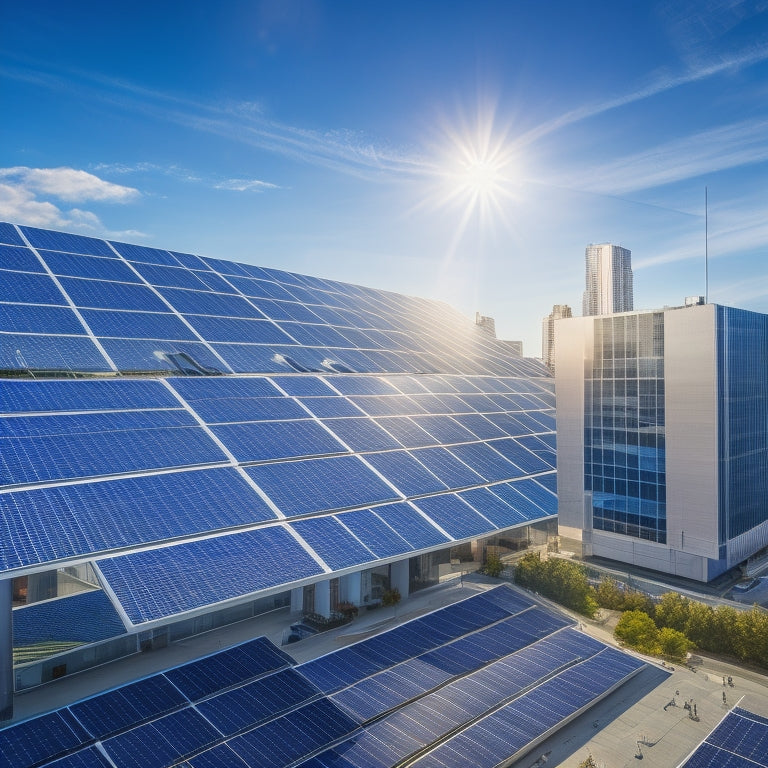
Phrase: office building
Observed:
(608, 280)
(662, 435)
(548, 333)
(488, 324)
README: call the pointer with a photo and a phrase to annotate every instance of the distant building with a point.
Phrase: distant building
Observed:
(608, 280)
(548, 333)
(662, 437)
(488, 324)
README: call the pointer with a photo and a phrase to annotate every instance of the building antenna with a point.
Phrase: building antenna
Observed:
(706, 248)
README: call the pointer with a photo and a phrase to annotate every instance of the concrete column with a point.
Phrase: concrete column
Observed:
(323, 598)
(399, 577)
(349, 588)
(6, 649)
(297, 600)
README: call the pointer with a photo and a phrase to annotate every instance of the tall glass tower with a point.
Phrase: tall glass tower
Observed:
(608, 280)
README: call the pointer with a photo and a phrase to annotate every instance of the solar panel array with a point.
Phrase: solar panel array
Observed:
(271, 473)
(739, 741)
(430, 690)
(69, 302)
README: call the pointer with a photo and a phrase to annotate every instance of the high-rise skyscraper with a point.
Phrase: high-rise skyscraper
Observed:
(548, 333)
(609, 280)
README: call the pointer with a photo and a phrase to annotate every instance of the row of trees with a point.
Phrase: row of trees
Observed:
(670, 627)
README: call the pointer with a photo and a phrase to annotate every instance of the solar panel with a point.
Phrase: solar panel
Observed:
(452, 471)
(380, 538)
(233, 666)
(454, 516)
(409, 476)
(157, 583)
(315, 485)
(40, 740)
(361, 434)
(413, 527)
(338, 548)
(102, 269)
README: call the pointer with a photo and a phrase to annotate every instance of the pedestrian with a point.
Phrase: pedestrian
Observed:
(724, 697)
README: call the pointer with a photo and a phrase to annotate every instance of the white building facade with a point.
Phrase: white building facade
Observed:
(662, 433)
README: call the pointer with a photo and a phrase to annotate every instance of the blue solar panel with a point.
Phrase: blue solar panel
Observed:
(453, 472)
(163, 742)
(361, 434)
(270, 440)
(741, 734)
(393, 405)
(316, 485)
(50, 353)
(85, 758)
(486, 461)
(158, 583)
(62, 241)
(29, 318)
(304, 386)
(247, 705)
(220, 756)
(494, 508)
(22, 259)
(136, 325)
(357, 385)
(144, 254)
(234, 329)
(331, 407)
(153, 355)
(173, 276)
(86, 617)
(479, 426)
(379, 537)
(23, 287)
(528, 497)
(454, 516)
(122, 708)
(405, 473)
(709, 756)
(520, 456)
(100, 294)
(181, 504)
(8, 234)
(444, 429)
(194, 389)
(286, 311)
(261, 289)
(299, 733)
(233, 666)
(124, 445)
(37, 741)
(412, 526)
(406, 431)
(19, 396)
(204, 303)
(69, 265)
(339, 548)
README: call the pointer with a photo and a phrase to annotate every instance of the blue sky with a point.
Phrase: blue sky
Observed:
(466, 151)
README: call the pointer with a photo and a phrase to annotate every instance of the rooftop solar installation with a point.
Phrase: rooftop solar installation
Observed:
(739, 741)
(478, 681)
(221, 410)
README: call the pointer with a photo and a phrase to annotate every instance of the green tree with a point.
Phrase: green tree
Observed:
(724, 629)
(699, 625)
(609, 595)
(493, 565)
(638, 601)
(673, 611)
(674, 644)
(637, 630)
(390, 597)
(751, 636)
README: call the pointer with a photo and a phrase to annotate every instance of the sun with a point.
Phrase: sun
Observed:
(476, 172)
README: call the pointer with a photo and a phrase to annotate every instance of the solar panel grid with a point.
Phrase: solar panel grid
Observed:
(45, 738)
(330, 407)
(123, 708)
(220, 756)
(246, 706)
(316, 485)
(338, 548)
(447, 467)
(90, 757)
(454, 516)
(19, 259)
(361, 434)
(379, 537)
(26, 318)
(233, 330)
(28, 288)
(408, 475)
(282, 741)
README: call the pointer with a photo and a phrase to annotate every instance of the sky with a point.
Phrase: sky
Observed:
(462, 151)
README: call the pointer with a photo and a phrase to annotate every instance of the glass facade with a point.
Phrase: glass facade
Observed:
(624, 450)
(742, 339)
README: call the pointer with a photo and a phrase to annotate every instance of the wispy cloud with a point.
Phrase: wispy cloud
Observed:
(687, 157)
(664, 81)
(245, 185)
(23, 193)
(346, 151)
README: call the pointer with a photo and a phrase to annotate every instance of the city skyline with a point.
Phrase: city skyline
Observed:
(467, 154)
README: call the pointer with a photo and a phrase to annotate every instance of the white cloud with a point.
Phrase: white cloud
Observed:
(68, 184)
(21, 205)
(245, 185)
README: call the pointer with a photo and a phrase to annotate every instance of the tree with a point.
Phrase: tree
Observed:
(674, 644)
(493, 565)
(673, 611)
(390, 597)
(699, 625)
(609, 595)
(751, 636)
(637, 630)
